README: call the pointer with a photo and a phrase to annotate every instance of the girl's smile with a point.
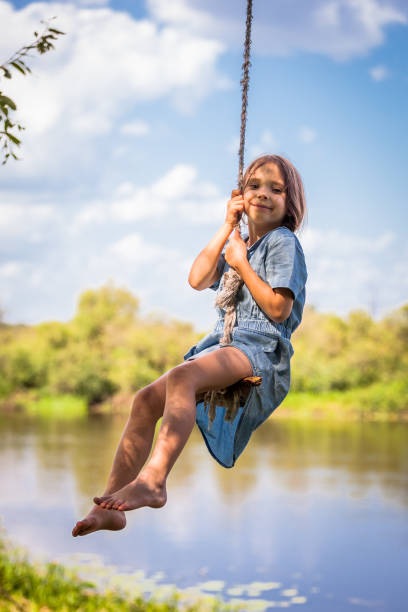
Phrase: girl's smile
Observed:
(265, 197)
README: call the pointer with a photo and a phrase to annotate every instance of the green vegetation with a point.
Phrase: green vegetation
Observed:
(9, 129)
(352, 367)
(33, 587)
(106, 350)
(379, 401)
(98, 360)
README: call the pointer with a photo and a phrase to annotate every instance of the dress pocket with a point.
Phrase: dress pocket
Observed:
(271, 346)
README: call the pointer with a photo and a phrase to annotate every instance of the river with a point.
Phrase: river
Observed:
(313, 515)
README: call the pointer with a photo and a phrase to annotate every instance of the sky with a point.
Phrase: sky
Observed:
(130, 149)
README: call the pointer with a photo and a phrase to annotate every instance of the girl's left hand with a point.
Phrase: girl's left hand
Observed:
(236, 250)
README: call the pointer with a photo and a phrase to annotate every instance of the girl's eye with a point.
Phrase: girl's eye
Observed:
(252, 185)
(277, 190)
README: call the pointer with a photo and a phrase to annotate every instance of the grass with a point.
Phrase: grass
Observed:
(59, 406)
(34, 587)
(379, 402)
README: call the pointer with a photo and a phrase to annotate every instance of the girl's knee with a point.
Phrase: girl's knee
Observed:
(182, 375)
(147, 403)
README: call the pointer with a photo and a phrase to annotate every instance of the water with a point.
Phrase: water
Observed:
(313, 514)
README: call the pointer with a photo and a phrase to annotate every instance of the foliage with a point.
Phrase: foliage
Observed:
(379, 401)
(59, 406)
(105, 348)
(30, 587)
(108, 347)
(9, 128)
(332, 353)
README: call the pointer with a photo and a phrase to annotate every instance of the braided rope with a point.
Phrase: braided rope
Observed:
(236, 395)
(244, 85)
(232, 282)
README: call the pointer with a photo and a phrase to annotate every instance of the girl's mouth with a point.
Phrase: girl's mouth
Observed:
(261, 206)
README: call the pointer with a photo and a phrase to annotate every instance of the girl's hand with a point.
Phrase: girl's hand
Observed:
(236, 250)
(235, 208)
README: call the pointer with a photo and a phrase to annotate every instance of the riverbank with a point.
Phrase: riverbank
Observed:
(377, 402)
(32, 587)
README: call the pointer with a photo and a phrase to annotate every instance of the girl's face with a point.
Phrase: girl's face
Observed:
(265, 197)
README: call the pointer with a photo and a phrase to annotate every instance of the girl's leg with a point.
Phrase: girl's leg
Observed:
(213, 371)
(133, 450)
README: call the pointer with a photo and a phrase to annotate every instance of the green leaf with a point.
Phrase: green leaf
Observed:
(7, 73)
(19, 68)
(5, 101)
(56, 31)
(13, 138)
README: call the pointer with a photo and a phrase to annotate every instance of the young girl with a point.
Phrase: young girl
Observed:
(269, 306)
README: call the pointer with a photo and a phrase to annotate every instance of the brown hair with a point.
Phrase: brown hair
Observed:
(295, 195)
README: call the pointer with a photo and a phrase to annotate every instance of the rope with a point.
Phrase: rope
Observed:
(232, 282)
(244, 86)
(236, 395)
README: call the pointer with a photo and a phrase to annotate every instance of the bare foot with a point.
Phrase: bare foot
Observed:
(98, 518)
(144, 491)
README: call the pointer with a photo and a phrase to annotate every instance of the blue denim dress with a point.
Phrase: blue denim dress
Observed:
(278, 259)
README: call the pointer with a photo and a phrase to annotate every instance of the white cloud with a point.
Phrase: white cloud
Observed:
(90, 214)
(307, 134)
(379, 73)
(107, 62)
(347, 271)
(328, 14)
(134, 249)
(25, 220)
(93, 2)
(341, 29)
(10, 269)
(138, 127)
(341, 244)
(266, 144)
(178, 193)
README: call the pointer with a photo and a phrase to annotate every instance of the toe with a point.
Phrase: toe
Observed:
(78, 528)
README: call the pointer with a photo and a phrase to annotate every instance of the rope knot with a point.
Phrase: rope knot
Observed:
(232, 283)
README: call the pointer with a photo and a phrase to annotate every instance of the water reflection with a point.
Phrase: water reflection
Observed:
(300, 509)
(282, 454)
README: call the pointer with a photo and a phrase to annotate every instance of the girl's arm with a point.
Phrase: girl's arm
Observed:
(276, 303)
(204, 271)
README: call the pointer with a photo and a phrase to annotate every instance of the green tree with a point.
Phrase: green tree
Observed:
(107, 311)
(9, 128)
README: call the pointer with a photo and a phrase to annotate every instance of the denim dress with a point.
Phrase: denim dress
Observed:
(278, 259)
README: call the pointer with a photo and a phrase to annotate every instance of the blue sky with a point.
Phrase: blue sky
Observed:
(130, 150)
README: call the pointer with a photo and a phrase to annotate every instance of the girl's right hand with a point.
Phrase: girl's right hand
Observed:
(235, 208)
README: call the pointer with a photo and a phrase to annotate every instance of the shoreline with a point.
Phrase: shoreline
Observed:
(377, 403)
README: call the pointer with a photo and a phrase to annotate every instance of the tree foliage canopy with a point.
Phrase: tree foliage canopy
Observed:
(109, 347)
(9, 128)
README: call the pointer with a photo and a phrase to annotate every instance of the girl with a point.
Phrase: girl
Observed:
(269, 306)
